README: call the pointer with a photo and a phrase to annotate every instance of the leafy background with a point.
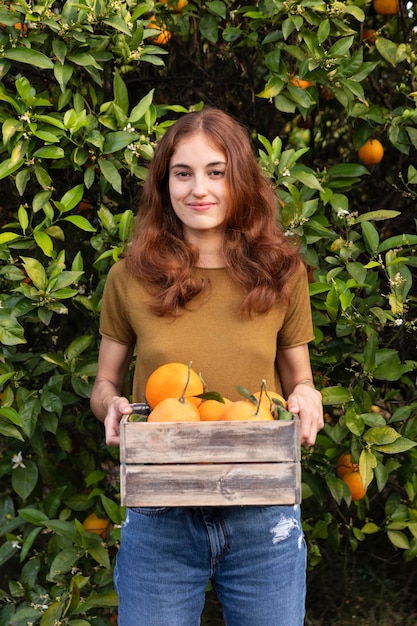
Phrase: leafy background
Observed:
(85, 92)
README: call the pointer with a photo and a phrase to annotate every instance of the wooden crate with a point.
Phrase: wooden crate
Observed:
(209, 463)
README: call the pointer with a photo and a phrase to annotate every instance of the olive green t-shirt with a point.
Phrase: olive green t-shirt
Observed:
(228, 350)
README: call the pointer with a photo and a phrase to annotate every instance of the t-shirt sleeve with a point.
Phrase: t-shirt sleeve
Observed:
(114, 318)
(297, 328)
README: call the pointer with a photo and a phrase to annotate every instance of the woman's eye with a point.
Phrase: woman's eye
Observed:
(217, 173)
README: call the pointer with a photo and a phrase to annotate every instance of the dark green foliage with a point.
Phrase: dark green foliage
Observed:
(84, 95)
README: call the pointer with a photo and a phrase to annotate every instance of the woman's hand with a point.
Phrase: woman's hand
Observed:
(303, 398)
(106, 402)
(118, 407)
(305, 401)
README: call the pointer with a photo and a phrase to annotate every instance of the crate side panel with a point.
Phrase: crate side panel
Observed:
(211, 485)
(223, 442)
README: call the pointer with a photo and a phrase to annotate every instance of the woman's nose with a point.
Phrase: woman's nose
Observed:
(199, 185)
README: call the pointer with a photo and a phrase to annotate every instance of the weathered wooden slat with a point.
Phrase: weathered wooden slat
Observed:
(210, 484)
(214, 442)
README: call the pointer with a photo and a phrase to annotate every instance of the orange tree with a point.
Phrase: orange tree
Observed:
(85, 92)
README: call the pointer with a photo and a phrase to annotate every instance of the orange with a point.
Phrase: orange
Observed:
(345, 465)
(173, 380)
(387, 7)
(371, 152)
(300, 82)
(354, 481)
(176, 6)
(212, 410)
(369, 36)
(97, 525)
(164, 35)
(327, 94)
(246, 410)
(174, 410)
(268, 398)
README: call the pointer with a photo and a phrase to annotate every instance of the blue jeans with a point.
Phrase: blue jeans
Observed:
(254, 556)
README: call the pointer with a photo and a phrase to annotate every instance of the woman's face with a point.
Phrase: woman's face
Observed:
(197, 186)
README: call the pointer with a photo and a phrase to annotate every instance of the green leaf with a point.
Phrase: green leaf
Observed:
(80, 222)
(117, 141)
(49, 152)
(7, 237)
(111, 174)
(118, 23)
(126, 225)
(208, 27)
(10, 128)
(30, 57)
(383, 214)
(28, 542)
(36, 272)
(64, 279)
(341, 47)
(33, 516)
(11, 332)
(121, 94)
(323, 31)
(381, 436)
(216, 7)
(307, 178)
(78, 346)
(98, 600)
(99, 552)
(8, 167)
(211, 395)
(24, 479)
(8, 430)
(371, 236)
(63, 529)
(113, 510)
(64, 561)
(316, 288)
(347, 170)
(355, 423)
(398, 539)
(356, 11)
(138, 112)
(71, 198)
(391, 370)
(84, 59)
(370, 528)
(335, 486)
(402, 444)
(335, 395)
(45, 243)
(387, 49)
(332, 303)
(398, 241)
(367, 463)
(412, 175)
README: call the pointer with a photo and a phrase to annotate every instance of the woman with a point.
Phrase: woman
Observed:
(209, 278)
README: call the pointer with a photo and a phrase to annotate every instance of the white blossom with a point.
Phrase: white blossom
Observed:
(17, 460)
(341, 213)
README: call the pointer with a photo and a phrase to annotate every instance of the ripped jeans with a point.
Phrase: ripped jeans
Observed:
(255, 558)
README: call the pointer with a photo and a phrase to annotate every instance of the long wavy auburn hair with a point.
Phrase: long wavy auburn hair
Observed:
(258, 257)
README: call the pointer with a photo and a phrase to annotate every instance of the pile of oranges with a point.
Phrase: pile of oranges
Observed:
(349, 473)
(176, 393)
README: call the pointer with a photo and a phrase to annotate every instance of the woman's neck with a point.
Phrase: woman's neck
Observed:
(211, 259)
(210, 247)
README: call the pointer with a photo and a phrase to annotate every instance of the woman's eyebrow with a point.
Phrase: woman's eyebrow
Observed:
(189, 167)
